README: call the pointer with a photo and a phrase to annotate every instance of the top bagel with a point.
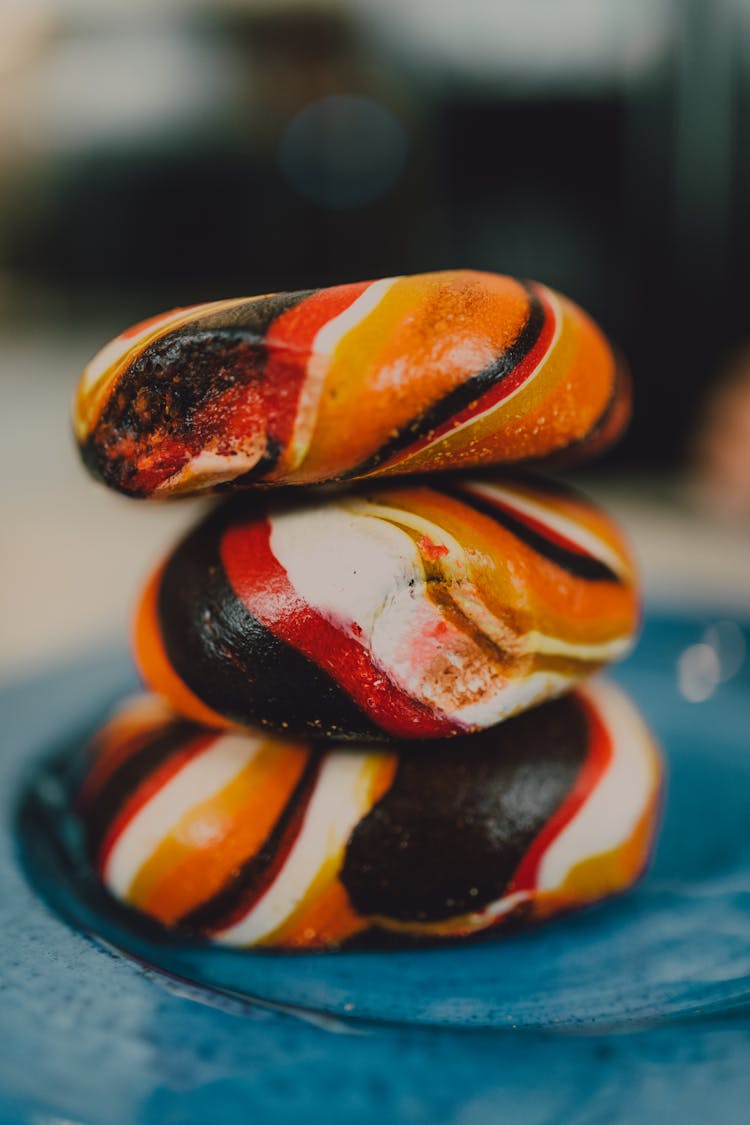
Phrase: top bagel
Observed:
(402, 375)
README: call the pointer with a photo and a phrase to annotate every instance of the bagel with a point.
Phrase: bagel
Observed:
(416, 611)
(249, 840)
(402, 375)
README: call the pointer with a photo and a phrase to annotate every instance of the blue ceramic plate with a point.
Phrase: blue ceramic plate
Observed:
(88, 1033)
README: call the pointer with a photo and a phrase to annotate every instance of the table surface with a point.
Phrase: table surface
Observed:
(90, 1036)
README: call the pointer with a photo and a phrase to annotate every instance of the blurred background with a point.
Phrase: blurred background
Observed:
(158, 154)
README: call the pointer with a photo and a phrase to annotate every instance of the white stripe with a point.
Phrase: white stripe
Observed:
(330, 335)
(322, 350)
(498, 908)
(510, 697)
(513, 696)
(557, 314)
(456, 566)
(601, 653)
(454, 563)
(355, 566)
(143, 709)
(365, 575)
(208, 468)
(345, 565)
(584, 538)
(612, 810)
(202, 777)
(461, 923)
(340, 800)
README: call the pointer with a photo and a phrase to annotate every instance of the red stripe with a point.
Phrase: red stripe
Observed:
(265, 406)
(289, 341)
(533, 524)
(146, 790)
(262, 584)
(115, 751)
(600, 754)
(501, 390)
(259, 409)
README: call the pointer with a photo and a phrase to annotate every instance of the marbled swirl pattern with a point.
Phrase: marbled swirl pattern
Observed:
(406, 374)
(409, 612)
(250, 840)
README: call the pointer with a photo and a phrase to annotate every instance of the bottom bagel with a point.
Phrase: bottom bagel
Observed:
(249, 840)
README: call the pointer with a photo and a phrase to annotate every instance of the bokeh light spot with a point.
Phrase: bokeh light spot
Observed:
(343, 151)
(698, 673)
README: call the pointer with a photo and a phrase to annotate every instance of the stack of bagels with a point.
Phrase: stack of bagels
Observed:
(370, 719)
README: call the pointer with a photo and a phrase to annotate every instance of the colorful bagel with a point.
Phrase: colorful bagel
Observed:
(410, 612)
(249, 840)
(407, 374)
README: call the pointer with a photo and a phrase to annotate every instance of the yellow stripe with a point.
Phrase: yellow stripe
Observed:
(216, 836)
(427, 334)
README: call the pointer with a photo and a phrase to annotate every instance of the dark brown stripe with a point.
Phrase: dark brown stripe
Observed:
(458, 819)
(230, 660)
(167, 387)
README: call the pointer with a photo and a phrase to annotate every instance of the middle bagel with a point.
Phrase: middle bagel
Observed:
(417, 611)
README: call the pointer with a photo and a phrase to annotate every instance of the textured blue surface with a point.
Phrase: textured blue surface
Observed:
(88, 1035)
